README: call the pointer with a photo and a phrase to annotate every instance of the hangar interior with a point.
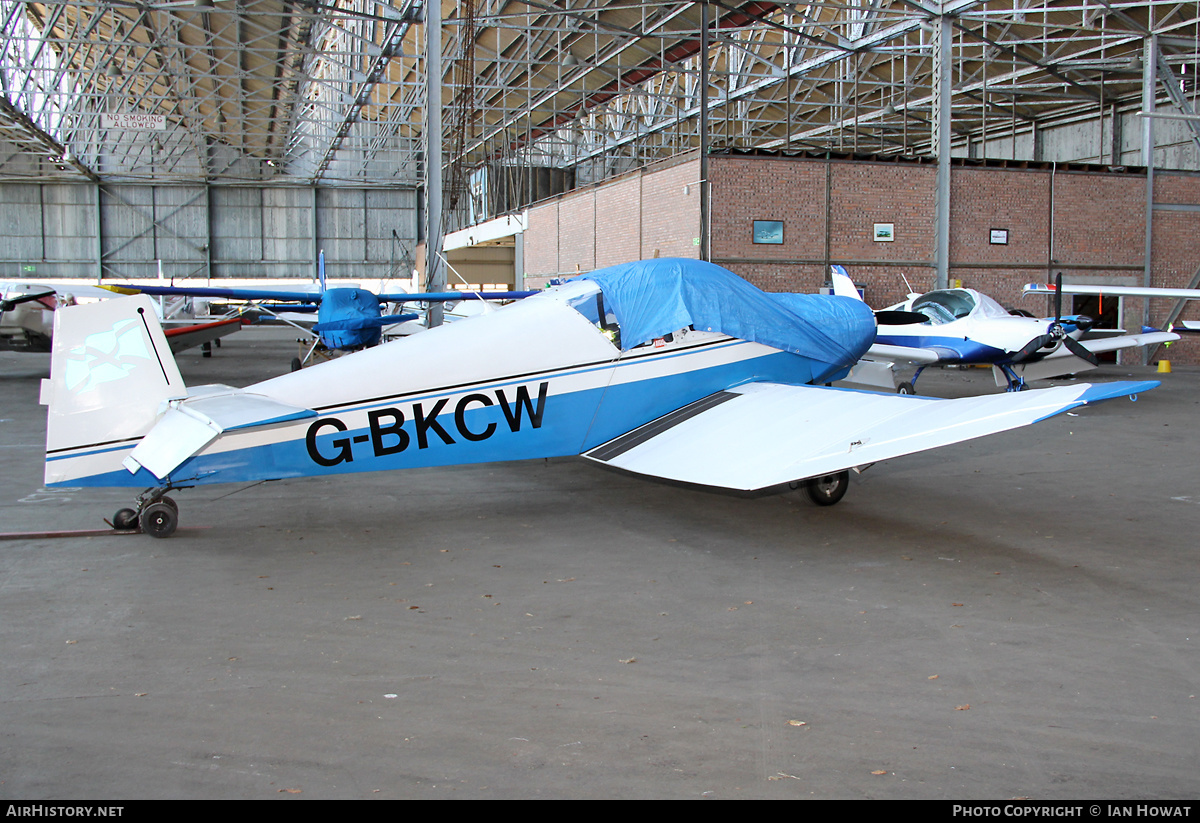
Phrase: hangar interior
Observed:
(1011, 617)
(214, 139)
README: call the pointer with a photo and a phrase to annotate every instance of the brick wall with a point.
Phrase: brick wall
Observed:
(1176, 255)
(745, 189)
(1088, 225)
(653, 212)
(619, 222)
(865, 194)
(1099, 220)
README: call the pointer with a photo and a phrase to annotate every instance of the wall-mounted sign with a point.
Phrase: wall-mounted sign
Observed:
(134, 121)
(768, 231)
(885, 232)
(998, 237)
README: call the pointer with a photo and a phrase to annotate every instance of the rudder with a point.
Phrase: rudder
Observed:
(111, 370)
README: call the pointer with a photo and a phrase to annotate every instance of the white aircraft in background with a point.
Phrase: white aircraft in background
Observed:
(673, 369)
(964, 326)
(1122, 291)
(27, 312)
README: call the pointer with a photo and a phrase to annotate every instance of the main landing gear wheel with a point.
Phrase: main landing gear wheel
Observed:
(827, 490)
(906, 388)
(160, 518)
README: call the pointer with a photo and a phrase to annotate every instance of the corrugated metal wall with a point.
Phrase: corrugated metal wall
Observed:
(72, 231)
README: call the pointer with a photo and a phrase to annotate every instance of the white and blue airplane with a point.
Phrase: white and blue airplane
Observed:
(964, 326)
(673, 369)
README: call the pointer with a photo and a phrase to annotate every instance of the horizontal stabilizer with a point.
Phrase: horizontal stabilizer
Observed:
(189, 425)
(766, 434)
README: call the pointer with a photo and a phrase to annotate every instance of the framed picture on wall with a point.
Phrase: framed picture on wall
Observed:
(885, 232)
(768, 231)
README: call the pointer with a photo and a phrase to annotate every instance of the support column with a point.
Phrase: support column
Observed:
(941, 126)
(99, 249)
(315, 249)
(1149, 63)
(435, 274)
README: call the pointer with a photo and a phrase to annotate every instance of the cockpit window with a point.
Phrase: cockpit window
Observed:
(944, 306)
(592, 306)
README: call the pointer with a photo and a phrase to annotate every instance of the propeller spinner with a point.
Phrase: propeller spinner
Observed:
(1055, 333)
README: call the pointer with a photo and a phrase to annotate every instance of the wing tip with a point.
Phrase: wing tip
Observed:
(1099, 392)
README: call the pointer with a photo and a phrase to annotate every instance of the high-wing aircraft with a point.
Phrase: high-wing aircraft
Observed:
(27, 312)
(347, 318)
(674, 369)
(1122, 291)
(965, 326)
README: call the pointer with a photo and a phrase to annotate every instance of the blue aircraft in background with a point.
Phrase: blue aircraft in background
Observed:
(348, 318)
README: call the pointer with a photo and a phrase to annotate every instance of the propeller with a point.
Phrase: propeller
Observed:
(1056, 333)
(7, 304)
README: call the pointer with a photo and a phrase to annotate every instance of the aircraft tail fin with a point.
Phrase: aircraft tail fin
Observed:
(111, 371)
(842, 284)
(321, 270)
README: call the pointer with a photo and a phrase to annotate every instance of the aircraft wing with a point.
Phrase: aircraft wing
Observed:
(307, 295)
(1061, 361)
(281, 294)
(452, 296)
(902, 354)
(1126, 341)
(763, 435)
(1115, 291)
(180, 338)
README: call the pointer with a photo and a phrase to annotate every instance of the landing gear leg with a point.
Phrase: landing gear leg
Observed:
(910, 386)
(1015, 382)
(156, 514)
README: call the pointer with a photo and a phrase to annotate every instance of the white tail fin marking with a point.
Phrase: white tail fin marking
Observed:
(111, 372)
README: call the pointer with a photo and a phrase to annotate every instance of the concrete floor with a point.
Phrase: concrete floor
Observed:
(1012, 617)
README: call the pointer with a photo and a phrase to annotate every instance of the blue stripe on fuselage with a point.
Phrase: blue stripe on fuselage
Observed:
(949, 349)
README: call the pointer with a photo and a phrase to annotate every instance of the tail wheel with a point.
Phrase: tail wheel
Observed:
(125, 520)
(827, 490)
(159, 519)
